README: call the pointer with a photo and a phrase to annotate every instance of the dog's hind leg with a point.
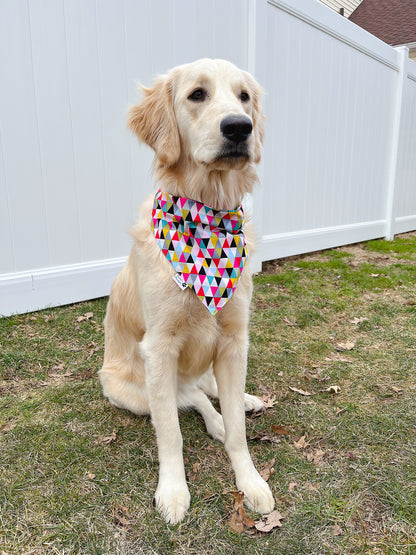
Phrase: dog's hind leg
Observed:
(191, 396)
(122, 388)
(208, 384)
(122, 374)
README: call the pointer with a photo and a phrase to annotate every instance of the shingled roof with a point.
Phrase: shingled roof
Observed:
(392, 21)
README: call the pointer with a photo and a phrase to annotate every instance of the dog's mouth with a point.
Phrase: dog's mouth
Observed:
(233, 153)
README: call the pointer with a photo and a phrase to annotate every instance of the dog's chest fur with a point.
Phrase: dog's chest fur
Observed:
(179, 314)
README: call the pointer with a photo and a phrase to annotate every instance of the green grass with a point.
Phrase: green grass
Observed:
(350, 489)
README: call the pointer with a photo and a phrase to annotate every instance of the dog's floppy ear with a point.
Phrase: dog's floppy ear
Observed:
(154, 122)
(258, 116)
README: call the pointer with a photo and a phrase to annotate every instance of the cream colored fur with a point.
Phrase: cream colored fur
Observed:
(163, 348)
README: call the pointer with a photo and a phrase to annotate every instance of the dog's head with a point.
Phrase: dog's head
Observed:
(208, 111)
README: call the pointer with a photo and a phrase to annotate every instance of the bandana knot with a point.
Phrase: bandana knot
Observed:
(206, 247)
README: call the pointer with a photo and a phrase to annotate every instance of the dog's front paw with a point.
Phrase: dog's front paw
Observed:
(172, 501)
(257, 494)
(252, 403)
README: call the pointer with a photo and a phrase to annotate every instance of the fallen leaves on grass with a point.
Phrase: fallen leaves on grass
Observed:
(269, 400)
(300, 391)
(269, 522)
(301, 443)
(397, 390)
(280, 430)
(268, 470)
(316, 457)
(57, 369)
(333, 389)
(290, 322)
(312, 488)
(358, 320)
(7, 427)
(86, 316)
(240, 521)
(345, 346)
(107, 440)
(264, 436)
(122, 517)
(336, 357)
(86, 374)
(193, 474)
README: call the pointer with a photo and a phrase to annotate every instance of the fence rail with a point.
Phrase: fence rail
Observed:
(339, 163)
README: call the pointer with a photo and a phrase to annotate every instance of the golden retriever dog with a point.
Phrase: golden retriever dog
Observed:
(164, 350)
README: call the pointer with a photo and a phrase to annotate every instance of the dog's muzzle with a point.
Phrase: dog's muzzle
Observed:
(236, 129)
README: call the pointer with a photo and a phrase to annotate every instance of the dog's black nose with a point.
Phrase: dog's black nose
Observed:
(236, 128)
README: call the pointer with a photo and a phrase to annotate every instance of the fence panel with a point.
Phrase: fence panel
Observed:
(332, 91)
(71, 176)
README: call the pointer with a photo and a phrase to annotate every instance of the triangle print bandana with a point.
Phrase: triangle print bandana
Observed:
(206, 247)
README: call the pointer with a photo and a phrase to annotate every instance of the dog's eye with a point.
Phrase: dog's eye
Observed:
(199, 95)
(244, 97)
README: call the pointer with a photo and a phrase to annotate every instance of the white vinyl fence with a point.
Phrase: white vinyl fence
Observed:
(339, 161)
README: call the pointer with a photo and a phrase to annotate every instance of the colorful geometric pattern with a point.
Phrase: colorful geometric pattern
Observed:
(205, 246)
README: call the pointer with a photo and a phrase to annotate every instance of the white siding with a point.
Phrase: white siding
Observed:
(348, 5)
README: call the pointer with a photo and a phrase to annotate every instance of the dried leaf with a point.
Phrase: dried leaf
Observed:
(269, 400)
(66, 375)
(236, 520)
(106, 440)
(262, 436)
(86, 374)
(337, 530)
(358, 320)
(193, 474)
(268, 470)
(316, 457)
(333, 389)
(7, 427)
(122, 517)
(289, 322)
(292, 486)
(311, 487)
(338, 358)
(300, 391)
(397, 389)
(280, 430)
(269, 522)
(58, 367)
(345, 346)
(301, 443)
(90, 475)
(87, 316)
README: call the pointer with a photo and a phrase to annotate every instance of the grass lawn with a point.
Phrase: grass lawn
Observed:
(333, 347)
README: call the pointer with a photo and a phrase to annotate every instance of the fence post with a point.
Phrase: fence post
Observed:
(403, 52)
(256, 65)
